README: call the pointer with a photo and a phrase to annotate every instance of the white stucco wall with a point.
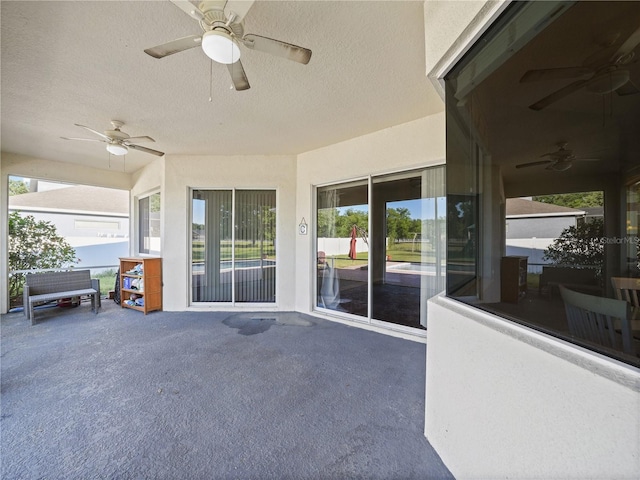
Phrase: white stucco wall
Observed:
(504, 401)
(411, 145)
(450, 27)
(178, 174)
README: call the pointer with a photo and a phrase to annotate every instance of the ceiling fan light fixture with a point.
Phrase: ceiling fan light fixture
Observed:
(608, 82)
(560, 165)
(117, 149)
(220, 47)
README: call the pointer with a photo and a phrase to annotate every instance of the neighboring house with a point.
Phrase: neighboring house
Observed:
(532, 226)
(504, 398)
(93, 220)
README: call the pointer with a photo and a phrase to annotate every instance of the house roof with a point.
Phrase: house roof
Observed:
(77, 198)
(521, 207)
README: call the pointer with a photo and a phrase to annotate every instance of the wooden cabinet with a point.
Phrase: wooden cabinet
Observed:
(513, 278)
(141, 284)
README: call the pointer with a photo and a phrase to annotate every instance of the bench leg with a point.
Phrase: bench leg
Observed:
(31, 315)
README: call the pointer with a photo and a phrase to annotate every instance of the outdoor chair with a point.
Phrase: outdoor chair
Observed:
(627, 289)
(595, 319)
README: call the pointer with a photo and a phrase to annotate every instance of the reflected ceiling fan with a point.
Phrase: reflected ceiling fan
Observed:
(603, 72)
(118, 142)
(223, 27)
(560, 160)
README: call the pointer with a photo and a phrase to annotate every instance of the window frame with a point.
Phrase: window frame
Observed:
(143, 224)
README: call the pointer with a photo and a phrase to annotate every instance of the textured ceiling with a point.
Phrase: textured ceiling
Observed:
(83, 62)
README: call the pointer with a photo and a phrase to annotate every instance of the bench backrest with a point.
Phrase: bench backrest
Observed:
(577, 276)
(52, 282)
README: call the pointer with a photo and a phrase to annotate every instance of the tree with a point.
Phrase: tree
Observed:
(574, 200)
(35, 245)
(579, 246)
(346, 221)
(399, 225)
(17, 187)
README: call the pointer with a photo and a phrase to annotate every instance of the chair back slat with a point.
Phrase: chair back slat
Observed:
(595, 319)
(627, 289)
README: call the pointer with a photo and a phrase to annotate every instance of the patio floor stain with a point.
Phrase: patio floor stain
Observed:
(249, 326)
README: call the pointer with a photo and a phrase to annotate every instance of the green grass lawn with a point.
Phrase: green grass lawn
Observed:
(107, 281)
(243, 251)
(399, 252)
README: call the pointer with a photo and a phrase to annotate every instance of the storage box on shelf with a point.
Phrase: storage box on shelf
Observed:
(141, 284)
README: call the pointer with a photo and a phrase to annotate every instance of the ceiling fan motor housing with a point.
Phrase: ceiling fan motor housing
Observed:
(214, 17)
(116, 134)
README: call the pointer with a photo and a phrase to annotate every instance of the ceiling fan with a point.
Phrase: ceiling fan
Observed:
(223, 27)
(602, 72)
(118, 142)
(560, 160)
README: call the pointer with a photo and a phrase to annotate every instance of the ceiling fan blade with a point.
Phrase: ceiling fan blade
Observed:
(83, 139)
(175, 46)
(628, 88)
(585, 159)
(534, 164)
(237, 7)
(238, 77)
(278, 48)
(189, 8)
(555, 73)
(558, 95)
(558, 154)
(100, 134)
(629, 45)
(140, 139)
(144, 149)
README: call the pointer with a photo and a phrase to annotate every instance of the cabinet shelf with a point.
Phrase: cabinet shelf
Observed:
(151, 278)
(513, 281)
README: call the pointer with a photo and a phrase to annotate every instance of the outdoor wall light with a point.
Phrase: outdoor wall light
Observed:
(219, 46)
(117, 149)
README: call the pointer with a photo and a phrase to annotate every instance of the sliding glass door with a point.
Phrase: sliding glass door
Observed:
(233, 246)
(380, 246)
(343, 244)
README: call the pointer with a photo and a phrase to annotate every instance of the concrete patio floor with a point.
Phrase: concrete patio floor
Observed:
(209, 395)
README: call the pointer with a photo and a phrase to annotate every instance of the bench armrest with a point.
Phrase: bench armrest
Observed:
(95, 284)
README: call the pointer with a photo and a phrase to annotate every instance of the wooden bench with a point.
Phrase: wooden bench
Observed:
(49, 286)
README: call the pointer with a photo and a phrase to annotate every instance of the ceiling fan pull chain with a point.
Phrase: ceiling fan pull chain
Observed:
(233, 66)
(210, 79)
(611, 96)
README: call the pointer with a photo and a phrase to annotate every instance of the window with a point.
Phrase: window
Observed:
(149, 224)
(233, 246)
(380, 246)
(542, 162)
